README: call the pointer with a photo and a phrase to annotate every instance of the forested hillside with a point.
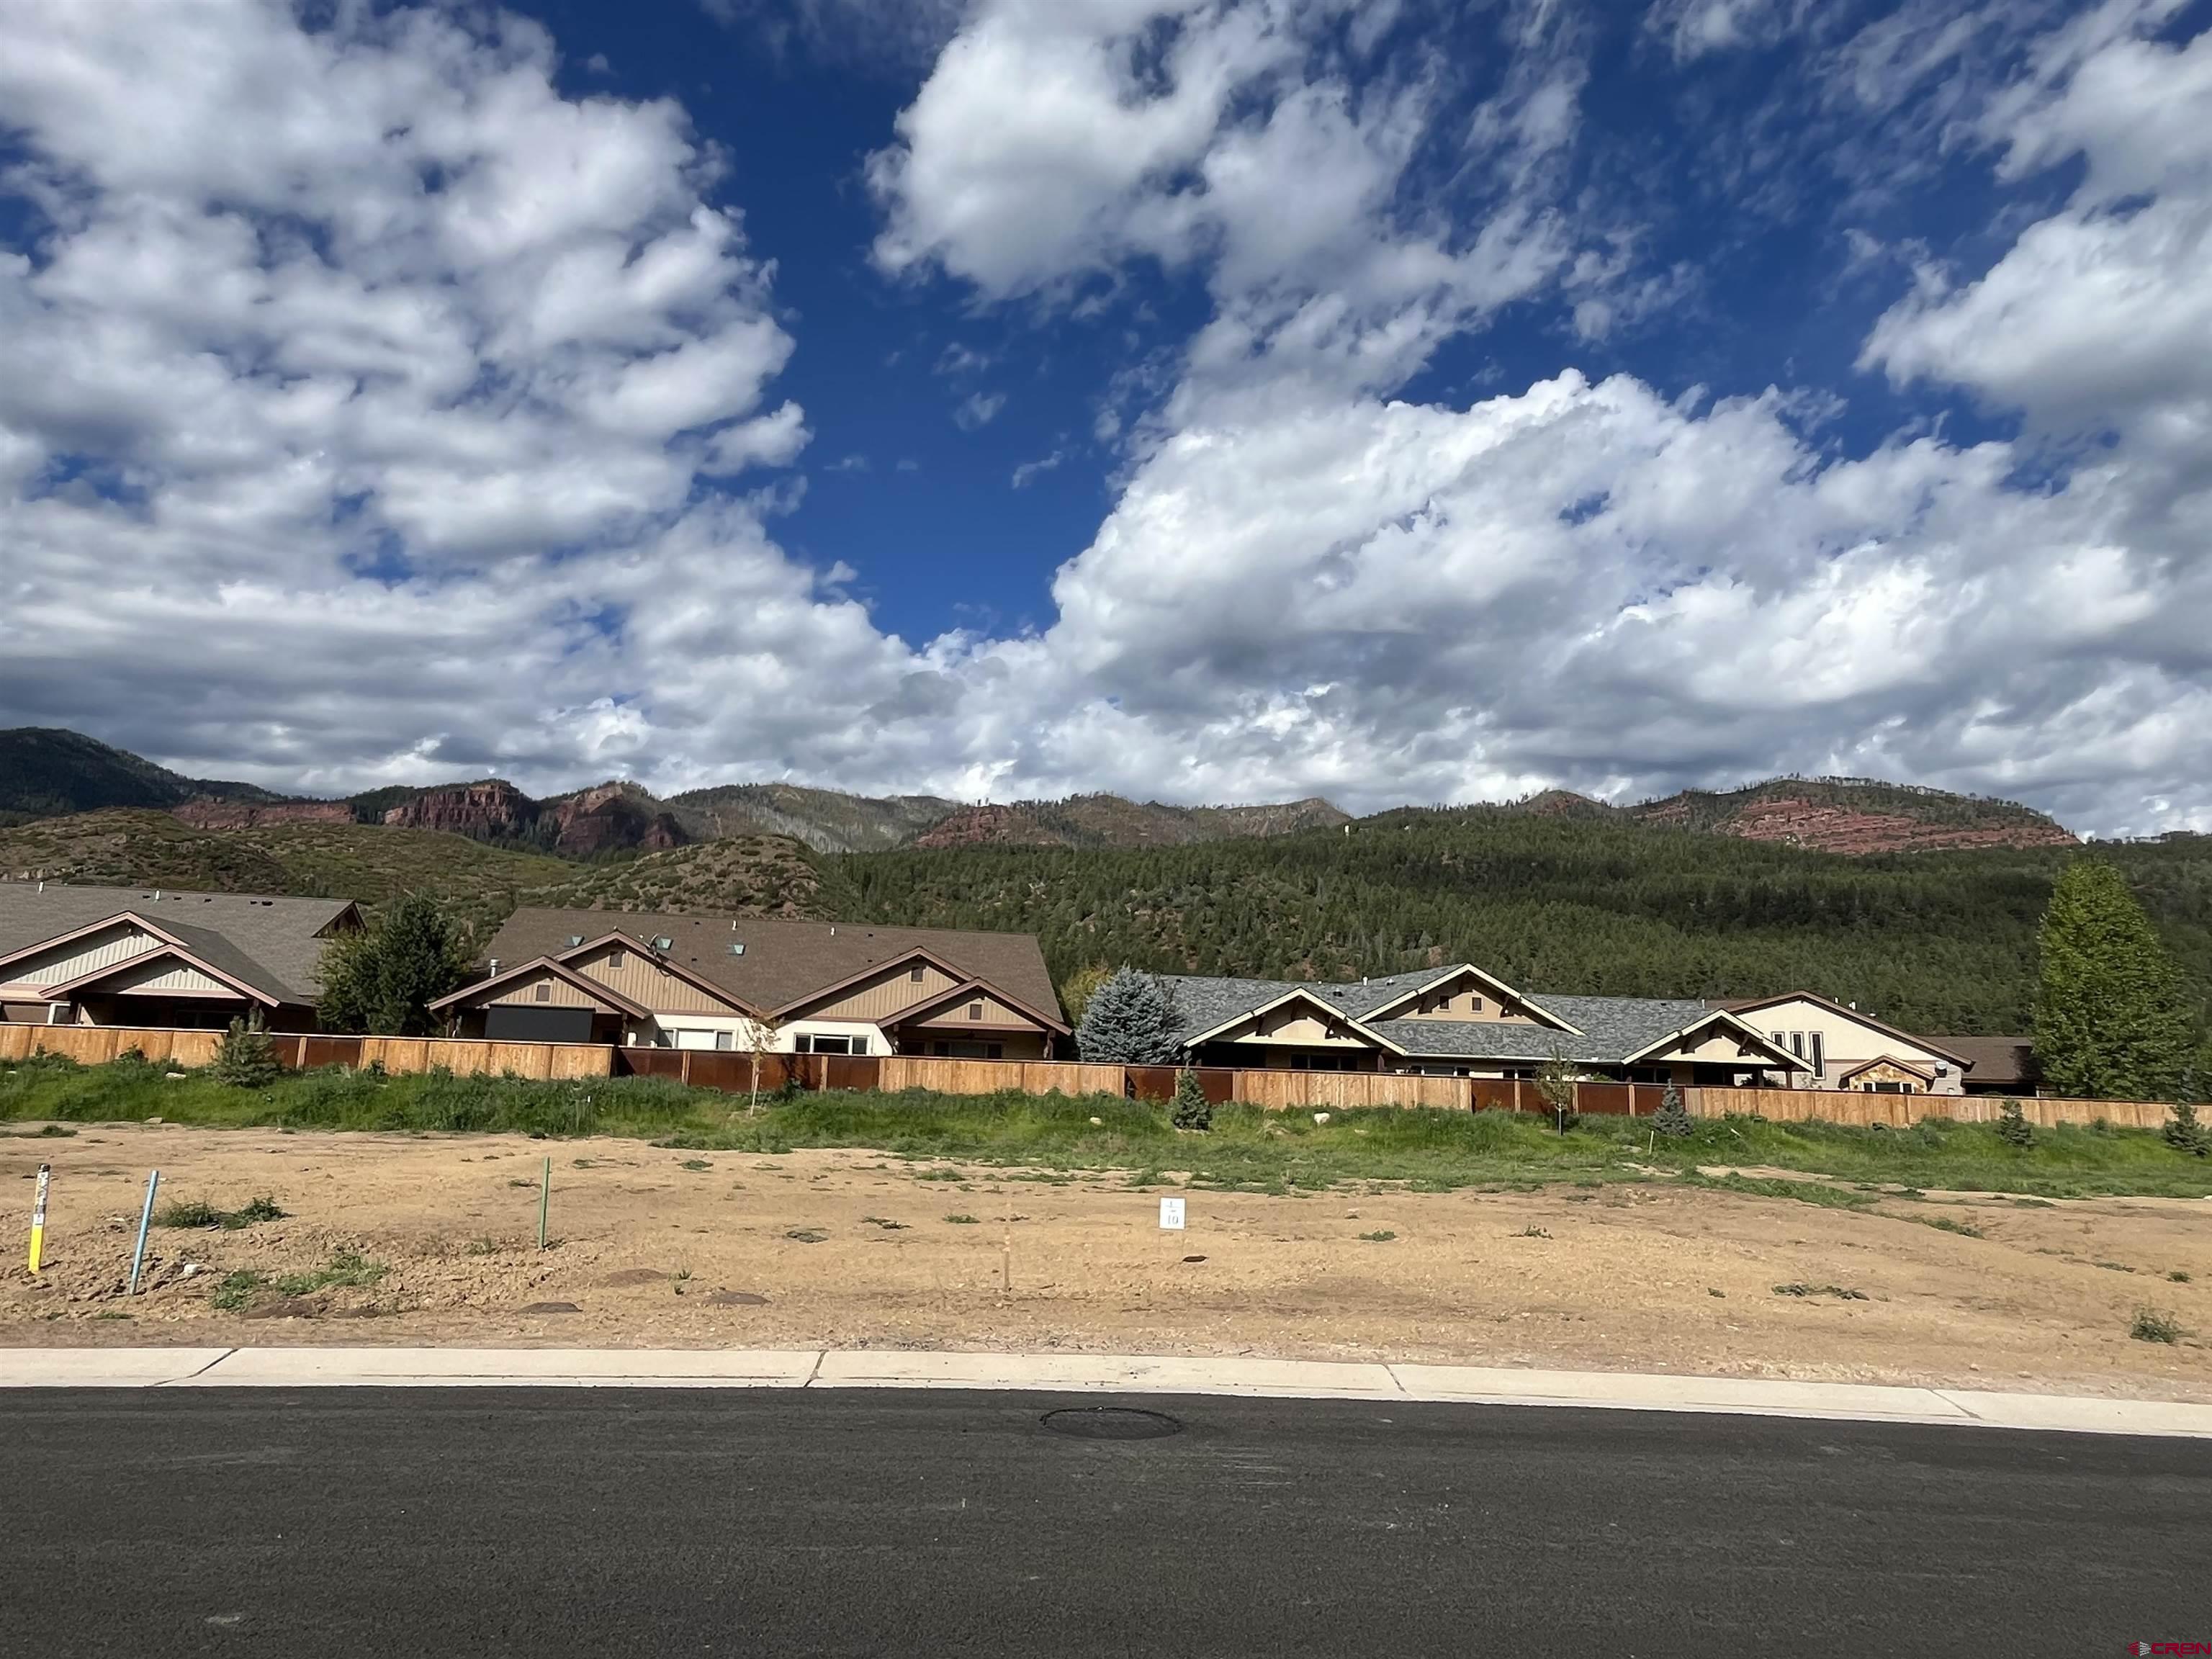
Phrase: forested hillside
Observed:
(1942, 941)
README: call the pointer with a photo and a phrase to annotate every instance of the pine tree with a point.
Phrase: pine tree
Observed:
(2110, 1019)
(2013, 1127)
(1131, 1020)
(2185, 1134)
(382, 981)
(1673, 1118)
(1191, 1109)
(246, 1058)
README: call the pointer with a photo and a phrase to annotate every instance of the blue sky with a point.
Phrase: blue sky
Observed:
(1206, 399)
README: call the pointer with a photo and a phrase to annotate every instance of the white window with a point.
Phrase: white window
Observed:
(726, 1039)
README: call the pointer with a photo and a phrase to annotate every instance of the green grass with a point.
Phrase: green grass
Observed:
(1247, 1150)
(1381, 1237)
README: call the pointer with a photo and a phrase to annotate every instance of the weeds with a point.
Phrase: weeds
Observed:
(1381, 1237)
(1944, 1223)
(237, 1289)
(1836, 1291)
(198, 1213)
(962, 1220)
(2150, 1325)
(347, 1269)
(807, 1235)
(1532, 1232)
(2178, 1277)
(886, 1222)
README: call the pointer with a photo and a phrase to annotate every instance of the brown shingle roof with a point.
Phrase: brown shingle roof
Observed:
(2007, 1062)
(783, 961)
(273, 943)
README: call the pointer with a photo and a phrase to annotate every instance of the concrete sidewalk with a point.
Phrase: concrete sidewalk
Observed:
(1063, 1373)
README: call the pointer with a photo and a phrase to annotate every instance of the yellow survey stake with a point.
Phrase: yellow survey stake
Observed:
(38, 1216)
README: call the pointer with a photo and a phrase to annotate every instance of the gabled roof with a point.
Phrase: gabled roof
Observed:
(1498, 989)
(967, 990)
(1752, 1005)
(890, 964)
(783, 961)
(652, 952)
(1597, 1030)
(530, 970)
(1294, 993)
(1894, 1065)
(1746, 1036)
(176, 953)
(276, 943)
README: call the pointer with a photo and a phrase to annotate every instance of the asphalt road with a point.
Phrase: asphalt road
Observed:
(565, 1523)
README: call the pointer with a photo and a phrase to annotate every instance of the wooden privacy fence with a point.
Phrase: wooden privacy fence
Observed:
(1275, 1090)
(97, 1045)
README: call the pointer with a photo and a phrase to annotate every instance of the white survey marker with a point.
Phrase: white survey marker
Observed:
(1171, 1214)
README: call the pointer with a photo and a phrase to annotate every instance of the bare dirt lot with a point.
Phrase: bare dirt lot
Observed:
(669, 1248)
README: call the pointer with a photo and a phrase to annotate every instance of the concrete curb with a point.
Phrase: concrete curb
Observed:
(1072, 1373)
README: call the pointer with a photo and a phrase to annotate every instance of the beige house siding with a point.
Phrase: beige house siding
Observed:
(961, 1014)
(1463, 1000)
(1714, 1048)
(168, 977)
(887, 994)
(646, 982)
(1296, 1026)
(82, 956)
(523, 994)
(1844, 1042)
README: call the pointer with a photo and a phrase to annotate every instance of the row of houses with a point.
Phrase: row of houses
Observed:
(151, 958)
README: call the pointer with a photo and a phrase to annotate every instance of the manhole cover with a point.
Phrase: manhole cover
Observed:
(1111, 1423)
(738, 1299)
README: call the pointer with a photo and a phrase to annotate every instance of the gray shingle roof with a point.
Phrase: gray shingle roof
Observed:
(1612, 1028)
(272, 943)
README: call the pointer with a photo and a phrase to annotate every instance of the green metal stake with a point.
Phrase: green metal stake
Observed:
(545, 1202)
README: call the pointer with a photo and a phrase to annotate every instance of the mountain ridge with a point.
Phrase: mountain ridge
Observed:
(47, 772)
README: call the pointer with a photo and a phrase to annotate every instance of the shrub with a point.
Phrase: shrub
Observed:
(2184, 1134)
(247, 1058)
(2013, 1127)
(1673, 1118)
(2152, 1326)
(1190, 1110)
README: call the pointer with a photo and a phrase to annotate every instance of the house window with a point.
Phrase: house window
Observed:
(614, 959)
(1819, 1055)
(975, 1010)
(1475, 1004)
(724, 1040)
(914, 975)
(1797, 1044)
(543, 992)
(832, 1045)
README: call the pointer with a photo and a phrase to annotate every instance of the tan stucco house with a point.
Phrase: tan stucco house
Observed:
(1843, 1049)
(153, 957)
(1464, 1022)
(723, 983)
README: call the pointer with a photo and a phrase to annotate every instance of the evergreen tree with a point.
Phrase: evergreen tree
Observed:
(1673, 1118)
(1080, 986)
(382, 981)
(246, 1058)
(1131, 1020)
(1191, 1110)
(2185, 1134)
(2013, 1127)
(2110, 1019)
